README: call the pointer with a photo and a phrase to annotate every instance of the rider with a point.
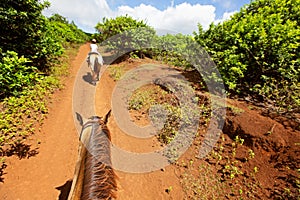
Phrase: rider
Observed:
(94, 50)
(94, 46)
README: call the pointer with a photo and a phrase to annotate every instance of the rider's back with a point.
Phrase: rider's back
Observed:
(94, 48)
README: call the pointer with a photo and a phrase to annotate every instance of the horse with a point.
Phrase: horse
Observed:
(94, 177)
(95, 61)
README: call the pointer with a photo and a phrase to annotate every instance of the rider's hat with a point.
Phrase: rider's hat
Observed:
(94, 40)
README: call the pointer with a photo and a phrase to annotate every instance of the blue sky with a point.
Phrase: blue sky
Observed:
(174, 16)
(221, 5)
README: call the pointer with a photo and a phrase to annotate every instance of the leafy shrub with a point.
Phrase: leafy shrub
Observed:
(174, 50)
(26, 31)
(23, 30)
(66, 32)
(114, 26)
(257, 50)
(15, 74)
(31, 48)
(124, 35)
(20, 115)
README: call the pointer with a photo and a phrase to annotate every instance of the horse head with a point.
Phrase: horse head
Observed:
(98, 179)
(89, 122)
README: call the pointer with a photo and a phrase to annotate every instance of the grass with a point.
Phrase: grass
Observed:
(116, 72)
(202, 182)
(149, 95)
(220, 175)
(146, 96)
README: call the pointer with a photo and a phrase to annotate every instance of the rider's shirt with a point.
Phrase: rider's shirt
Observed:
(94, 48)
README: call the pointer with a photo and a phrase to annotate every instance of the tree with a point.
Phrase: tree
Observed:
(65, 32)
(257, 50)
(23, 29)
(125, 35)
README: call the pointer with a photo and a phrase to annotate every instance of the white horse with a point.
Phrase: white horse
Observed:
(95, 62)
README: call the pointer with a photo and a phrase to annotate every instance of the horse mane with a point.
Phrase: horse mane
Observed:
(99, 176)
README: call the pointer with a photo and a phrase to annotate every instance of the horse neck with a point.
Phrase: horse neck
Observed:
(100, 179)
(99, 144)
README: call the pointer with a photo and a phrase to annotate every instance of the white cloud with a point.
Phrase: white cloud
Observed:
(181, 18)
(86, 14)
(226, 16)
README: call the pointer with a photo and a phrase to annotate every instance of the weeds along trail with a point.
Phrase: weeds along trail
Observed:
(47, 175)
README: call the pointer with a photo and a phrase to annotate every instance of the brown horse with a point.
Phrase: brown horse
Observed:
(94, 176)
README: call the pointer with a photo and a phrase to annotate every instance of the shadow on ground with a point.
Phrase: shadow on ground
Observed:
(87, 78)
(64, 190)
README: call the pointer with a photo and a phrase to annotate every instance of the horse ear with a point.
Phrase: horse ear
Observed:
(79, 118)
(107, 116)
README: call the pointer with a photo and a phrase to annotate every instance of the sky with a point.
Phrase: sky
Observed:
(167, 16)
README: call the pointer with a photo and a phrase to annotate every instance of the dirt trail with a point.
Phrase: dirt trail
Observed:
(48, 174)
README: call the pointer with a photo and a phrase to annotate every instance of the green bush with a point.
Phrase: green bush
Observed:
(15, 74)
(174, 50)
(26, 31)
(257, 50)
(30, 43)
(125, 35)
(114, 26)
(23, 30)
(64, 31)
(20, 115)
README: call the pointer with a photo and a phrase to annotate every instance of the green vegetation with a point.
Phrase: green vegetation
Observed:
(174, 50)
(116, 71)
(66, 32)
(257, 51)
(32, 59)
(112, 27)
(134, 35)
(23, 30)
(222, 175)
(144, 97)
(21, 115)
(30, 43)
(15, 74)
(26, 106)
(150, 95)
